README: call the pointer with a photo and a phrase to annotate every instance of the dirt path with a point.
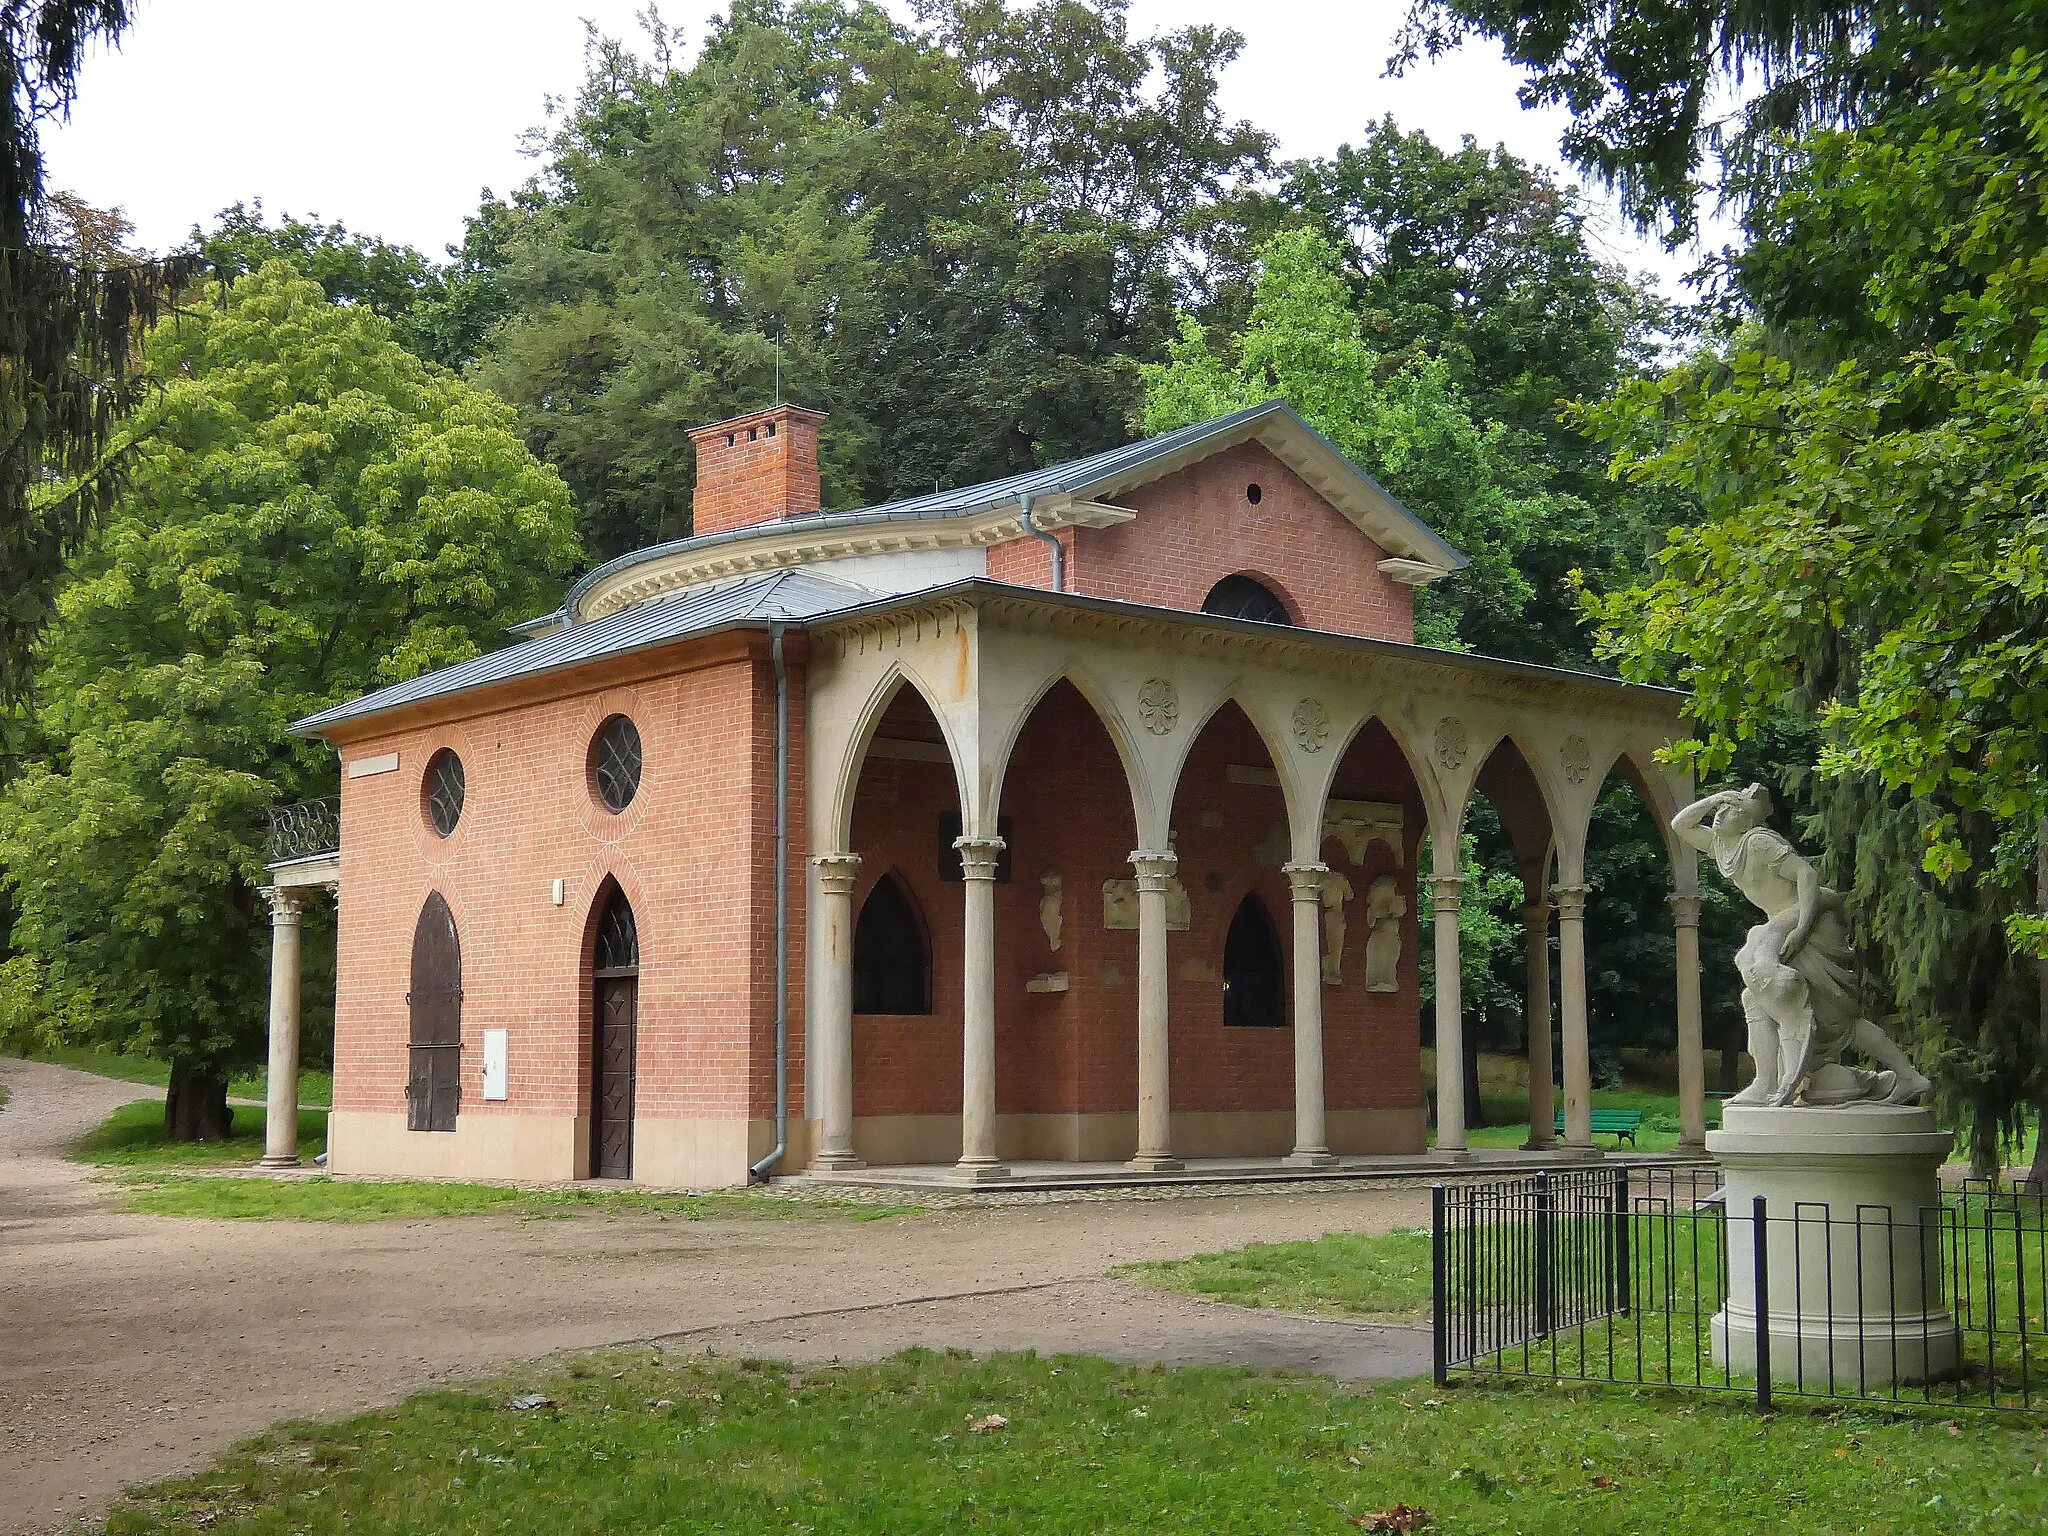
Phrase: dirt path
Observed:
(132, 1347)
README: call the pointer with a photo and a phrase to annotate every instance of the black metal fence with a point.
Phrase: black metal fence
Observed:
(304, 831)
(1642, 1276)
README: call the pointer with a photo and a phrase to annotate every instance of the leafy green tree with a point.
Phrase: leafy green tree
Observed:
(1403, 419)
(1873, 551)
(311, 511)
(956, 239)
(69, 311)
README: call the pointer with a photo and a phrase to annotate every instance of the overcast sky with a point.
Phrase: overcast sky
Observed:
(392, 116)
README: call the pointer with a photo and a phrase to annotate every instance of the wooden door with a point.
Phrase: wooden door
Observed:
(611, 1098)
(433, 1086)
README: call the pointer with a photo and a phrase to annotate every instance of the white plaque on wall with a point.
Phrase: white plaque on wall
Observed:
(496, 1063)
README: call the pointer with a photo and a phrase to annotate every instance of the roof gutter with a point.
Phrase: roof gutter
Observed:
(760, 1169)
(1059, 550)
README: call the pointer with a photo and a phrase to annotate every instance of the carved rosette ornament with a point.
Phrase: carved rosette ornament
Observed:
(1159, 705)
(1311, 725)
(1576, 758)
(1453, 745)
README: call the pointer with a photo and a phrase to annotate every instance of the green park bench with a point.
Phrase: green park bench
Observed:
(1621, 1124)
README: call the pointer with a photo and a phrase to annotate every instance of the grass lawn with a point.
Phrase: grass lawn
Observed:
(133, 1137)
(1341, 1274)
(320, 1198)
(315, 1088)
(929, 1443)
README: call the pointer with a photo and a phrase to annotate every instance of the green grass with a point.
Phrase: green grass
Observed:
(320, 1198)
(1341, 1274)
(315, 1088)
(133, 1137)
(633, 1443)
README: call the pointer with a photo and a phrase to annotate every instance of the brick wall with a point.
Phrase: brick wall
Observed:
(693, 853)
(1198, 526)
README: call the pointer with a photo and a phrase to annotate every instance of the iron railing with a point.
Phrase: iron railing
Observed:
(305, 831)
(1641, 1277)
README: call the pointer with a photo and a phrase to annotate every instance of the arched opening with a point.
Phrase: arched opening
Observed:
(1246, 597)
(907, 939)
(433, 1082)
(1254, 969)
(615, 1018)
(892, 954)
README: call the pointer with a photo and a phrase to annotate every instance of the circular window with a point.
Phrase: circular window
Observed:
(615, 763)
(444, 790)
(1254, 493)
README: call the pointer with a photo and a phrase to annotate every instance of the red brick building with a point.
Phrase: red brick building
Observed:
(1074, 816)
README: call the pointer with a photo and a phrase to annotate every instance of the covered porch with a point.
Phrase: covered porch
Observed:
(1107, 774)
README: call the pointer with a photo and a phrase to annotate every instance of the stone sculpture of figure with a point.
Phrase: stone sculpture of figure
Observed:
(1800, 993)
(1384, 909)
(1052, 888)
(1336, 891)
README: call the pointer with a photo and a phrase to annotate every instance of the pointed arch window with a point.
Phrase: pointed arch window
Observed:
(892, 953)
(1241, 597)
(1254, 969)
(614, 1045)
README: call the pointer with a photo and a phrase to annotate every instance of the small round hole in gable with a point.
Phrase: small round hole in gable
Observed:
(1254, 493)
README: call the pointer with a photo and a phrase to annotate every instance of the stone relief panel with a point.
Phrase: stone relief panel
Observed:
(1311, 725)
(1159, 705)
(1576, 758)
(1120, 906)
(1336, 891)
(1052, 895)
(1384, 909)
(1358, 824)
(1453, 744)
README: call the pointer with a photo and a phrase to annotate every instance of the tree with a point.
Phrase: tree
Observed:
(67, 325)
(1873, 550)
(957, 240)
(311, 511)
(1402, 419)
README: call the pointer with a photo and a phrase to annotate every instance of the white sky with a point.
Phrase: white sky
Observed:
(392, 116)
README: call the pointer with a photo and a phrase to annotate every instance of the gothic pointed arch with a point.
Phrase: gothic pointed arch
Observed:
(892, 952)
(433, 1084)
(615, 1027)
(1254, 968)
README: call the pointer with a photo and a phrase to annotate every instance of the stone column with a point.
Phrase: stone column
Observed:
(281, 1094)
(1542, 1092)
(1692, 1076)
(1155, 1105)
(978, 1161)
(1571, 993)
(831, 1018)
(1450, 1018)
(1311, 1142)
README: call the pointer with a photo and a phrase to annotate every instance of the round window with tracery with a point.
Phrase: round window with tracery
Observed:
(615, 763)
(445, 791)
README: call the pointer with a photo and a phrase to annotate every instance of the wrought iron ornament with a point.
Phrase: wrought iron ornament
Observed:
(304, 831)
(446, 789)
(615, 763)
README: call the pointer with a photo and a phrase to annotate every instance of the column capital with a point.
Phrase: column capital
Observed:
(979, 856)
(836, 872)
(287, 904)
(1154, 867)
(1685, 909)
(1306, 880)
(1571, 902)
(1536, 913)
(1445, 891)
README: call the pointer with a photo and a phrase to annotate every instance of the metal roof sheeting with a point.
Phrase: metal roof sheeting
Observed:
(792, 594)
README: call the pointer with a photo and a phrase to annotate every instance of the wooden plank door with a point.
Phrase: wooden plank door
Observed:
(611, 1098)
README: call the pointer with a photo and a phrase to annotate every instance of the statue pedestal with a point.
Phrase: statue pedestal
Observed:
(1854, 1245)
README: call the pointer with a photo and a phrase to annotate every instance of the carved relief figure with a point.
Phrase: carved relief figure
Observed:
(1052, 888)
(1336, 891)
(1120, 906)
(1384, 909)
(1800, 992)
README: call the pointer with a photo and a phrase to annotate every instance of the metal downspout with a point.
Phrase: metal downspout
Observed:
(1059, 552)
(760, 1169)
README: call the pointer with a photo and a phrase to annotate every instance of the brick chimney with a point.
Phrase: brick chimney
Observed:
(755, 468)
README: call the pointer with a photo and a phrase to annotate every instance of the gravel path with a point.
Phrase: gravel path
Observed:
(134, 1347)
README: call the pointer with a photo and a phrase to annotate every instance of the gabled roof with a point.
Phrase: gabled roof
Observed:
(791, 595)
(1353, 492)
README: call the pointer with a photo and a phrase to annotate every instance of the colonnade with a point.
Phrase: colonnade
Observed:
(288, 904)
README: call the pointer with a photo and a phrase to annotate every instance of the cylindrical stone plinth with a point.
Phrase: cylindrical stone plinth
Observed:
(1852, 1213)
